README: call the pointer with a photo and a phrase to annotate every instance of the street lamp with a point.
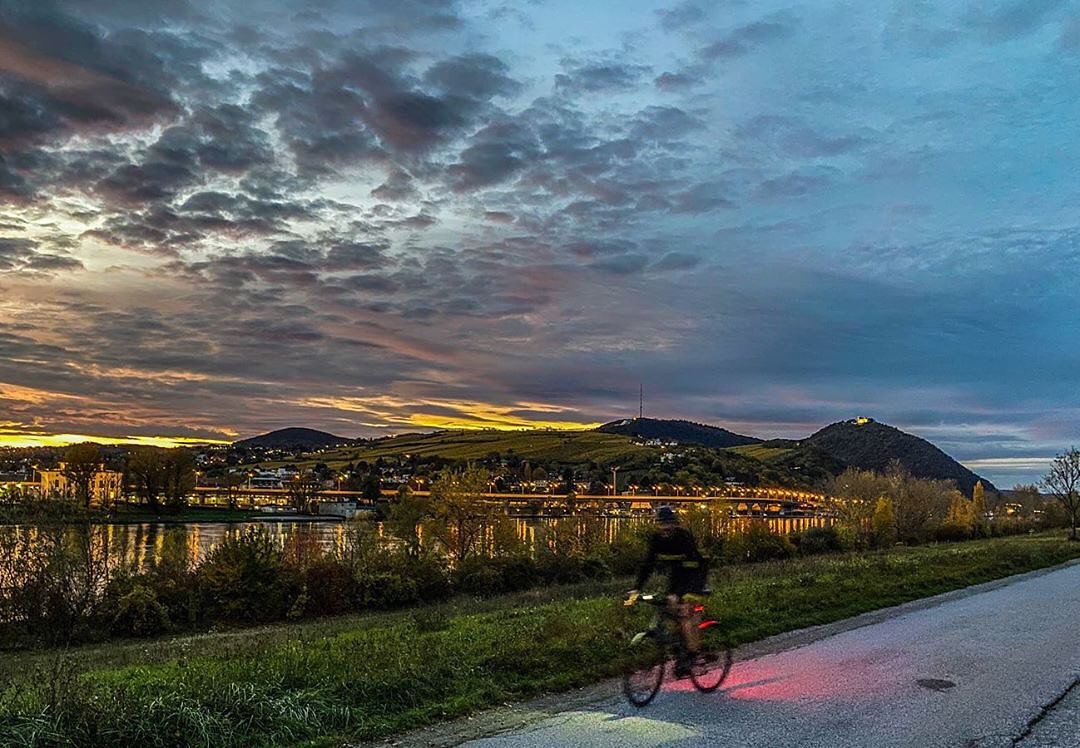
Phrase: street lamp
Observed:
(615, 481)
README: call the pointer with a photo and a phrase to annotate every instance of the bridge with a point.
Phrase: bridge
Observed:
(777, 502)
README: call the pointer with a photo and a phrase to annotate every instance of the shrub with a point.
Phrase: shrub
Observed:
(883, 523)
(818, 540)
(140, 613)
(244, 579)
(329, 587)
(430, 575)
(569, 569)
(517, 572)
(481, 580)
(952, 532)
(758, 543)
(627, 552)
(851, 539)
(386, 589)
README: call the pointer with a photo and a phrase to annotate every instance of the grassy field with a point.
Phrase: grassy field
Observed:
(570, 447)
(369, 676)
(760, 452)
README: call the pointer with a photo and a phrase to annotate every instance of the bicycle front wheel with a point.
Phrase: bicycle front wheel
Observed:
(645, 673)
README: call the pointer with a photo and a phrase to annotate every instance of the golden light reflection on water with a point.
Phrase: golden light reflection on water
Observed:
(138, 546)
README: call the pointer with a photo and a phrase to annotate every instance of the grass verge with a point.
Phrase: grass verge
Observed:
(369, 676)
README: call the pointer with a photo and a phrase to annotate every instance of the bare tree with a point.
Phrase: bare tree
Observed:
(146, 470)
(81, 463)
(179, 476)
(1063, 483)
(231, 482)
(304, 490)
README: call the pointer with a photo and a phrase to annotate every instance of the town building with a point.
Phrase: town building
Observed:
(106, 487)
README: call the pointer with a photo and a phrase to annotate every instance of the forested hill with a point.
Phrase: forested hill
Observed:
(684, 432)
(869, 445)
(293, 438)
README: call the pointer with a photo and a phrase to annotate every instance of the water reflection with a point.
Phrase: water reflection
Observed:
(137, 546)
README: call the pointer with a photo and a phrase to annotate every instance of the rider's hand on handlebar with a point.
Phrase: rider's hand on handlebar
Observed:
(631, 597)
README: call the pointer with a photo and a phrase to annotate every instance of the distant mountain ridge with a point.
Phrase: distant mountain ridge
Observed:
(686, 432)
(868, 445)
(293, 438)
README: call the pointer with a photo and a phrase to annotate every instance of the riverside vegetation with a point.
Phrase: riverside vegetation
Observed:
(491, 619)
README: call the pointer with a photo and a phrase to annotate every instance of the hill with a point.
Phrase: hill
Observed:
(869, 445)
(684, 432)
(568, 447)
(293, 438)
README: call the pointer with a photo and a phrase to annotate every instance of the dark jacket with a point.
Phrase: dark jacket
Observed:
(679, 553)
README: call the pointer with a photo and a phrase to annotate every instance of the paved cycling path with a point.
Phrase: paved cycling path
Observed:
(990, 666)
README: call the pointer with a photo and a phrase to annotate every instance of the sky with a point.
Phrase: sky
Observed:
(376, 216)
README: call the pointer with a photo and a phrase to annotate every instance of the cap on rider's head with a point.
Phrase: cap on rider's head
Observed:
(666, 515)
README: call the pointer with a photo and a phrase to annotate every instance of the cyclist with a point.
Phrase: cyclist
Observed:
(673, 545)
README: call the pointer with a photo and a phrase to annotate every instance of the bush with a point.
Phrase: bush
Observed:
(244, 579)
(329, 587)
(627, 552)
(570, 569)
(818, 540)
(517, 572)
(952, 532)
(758, 543)
(140, 613)
(386, 589)
(429, 573)
(481, 580)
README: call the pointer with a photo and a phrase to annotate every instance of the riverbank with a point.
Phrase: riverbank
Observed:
(127, 514)
(367, 676)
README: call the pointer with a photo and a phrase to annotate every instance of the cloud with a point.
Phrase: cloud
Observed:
(478, 76)
(24, 256)
(599, 77)
(747, 38)
(1005, 20)
(683, 14)
(216, 214)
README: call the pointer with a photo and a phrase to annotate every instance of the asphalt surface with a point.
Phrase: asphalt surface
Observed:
(995, 668)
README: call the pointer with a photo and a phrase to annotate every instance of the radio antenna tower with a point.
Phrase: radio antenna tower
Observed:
(641, 401)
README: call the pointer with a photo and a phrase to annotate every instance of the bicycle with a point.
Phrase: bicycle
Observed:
(653, 648)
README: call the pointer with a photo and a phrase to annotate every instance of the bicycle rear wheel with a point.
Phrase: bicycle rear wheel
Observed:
(710, 668)
(645, 673)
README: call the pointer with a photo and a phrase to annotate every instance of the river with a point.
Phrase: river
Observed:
(137, 546)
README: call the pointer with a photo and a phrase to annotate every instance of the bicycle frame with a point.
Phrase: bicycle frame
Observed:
(669, 636)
